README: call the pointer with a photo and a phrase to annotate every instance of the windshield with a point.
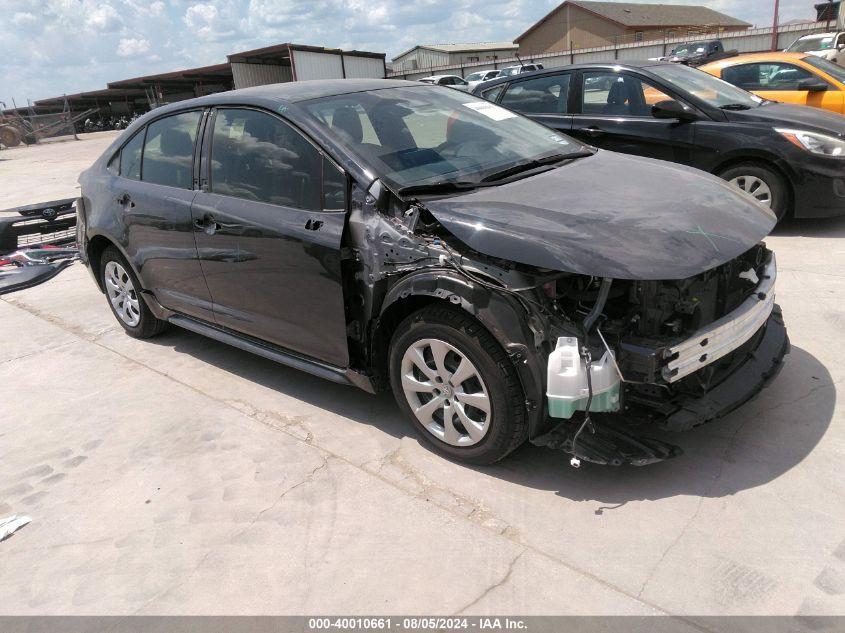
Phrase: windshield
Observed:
(834, 70)
(508, 72)
(475, 77)
(688, 49)
(806, 44)
(421, 135)
(708, 88)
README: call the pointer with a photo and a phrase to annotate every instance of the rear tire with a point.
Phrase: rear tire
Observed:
(762, 183)
(123, 292)
(457, 386)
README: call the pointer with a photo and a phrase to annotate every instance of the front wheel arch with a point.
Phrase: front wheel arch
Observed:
(501, 316)
(766, 164)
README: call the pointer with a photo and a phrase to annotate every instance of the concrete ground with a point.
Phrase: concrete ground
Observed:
(182, 476)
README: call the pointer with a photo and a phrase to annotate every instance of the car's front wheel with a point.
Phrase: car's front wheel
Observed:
(457, 385)
(124, 294)
(762, 183)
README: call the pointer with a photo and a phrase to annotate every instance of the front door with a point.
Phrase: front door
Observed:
(268, 226)
(779, 81)
(615, 114)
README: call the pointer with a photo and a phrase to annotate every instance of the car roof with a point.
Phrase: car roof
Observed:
(777, 56)
(634, 64)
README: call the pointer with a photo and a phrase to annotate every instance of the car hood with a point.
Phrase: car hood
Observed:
(792, 116)
(610, 215)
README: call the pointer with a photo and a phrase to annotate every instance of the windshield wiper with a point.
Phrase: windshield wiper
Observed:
(439, 187)
(735, 106)
(533, 164)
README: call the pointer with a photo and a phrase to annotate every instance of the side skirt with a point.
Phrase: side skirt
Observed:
(340, 375)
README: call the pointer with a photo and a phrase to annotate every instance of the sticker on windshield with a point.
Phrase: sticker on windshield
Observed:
(554, 138)
(490, 110)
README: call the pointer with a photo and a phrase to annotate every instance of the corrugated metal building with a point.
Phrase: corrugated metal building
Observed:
(430, 55)
(273, 64)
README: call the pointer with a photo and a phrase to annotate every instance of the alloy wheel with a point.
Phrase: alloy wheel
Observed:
(122, 294)
(755, 187)
(446, 392)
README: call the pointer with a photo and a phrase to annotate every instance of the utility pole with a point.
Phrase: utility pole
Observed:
(775, 26)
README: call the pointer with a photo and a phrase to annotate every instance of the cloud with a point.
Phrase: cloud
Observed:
(104, 19)
(50, 47)
(130, 47)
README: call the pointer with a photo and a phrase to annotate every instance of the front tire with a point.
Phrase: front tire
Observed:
(762, 183)
(457, 386)
(123, 292)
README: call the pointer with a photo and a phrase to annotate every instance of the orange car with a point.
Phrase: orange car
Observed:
(788, 77)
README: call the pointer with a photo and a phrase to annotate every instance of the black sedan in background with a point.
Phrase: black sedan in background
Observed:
(790, 158)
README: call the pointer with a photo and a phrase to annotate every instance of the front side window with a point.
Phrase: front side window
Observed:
(834, 70)
(609, 93)
(130, 157)
(543, 95)
(169, 150)
(423, 135)
(766, 76)
(258, 157)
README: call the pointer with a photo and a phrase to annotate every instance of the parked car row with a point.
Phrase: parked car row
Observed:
(507, 281)
(789, 158)
(474, 79)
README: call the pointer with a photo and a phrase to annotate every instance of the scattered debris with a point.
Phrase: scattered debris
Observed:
(12, 524)
(29, 267)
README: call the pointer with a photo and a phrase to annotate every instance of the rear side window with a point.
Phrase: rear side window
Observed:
(493, 93)
(169, 150)
(543, 95)
(258, 157)
(130, 157)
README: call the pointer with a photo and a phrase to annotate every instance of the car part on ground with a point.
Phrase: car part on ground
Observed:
(701, 121)
(450, 271)
(30, 267)
(32, 225)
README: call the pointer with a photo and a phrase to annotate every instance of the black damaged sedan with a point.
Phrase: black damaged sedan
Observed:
(508, 283)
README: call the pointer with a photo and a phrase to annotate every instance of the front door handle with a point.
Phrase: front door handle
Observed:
(207, 224)
(593, 131)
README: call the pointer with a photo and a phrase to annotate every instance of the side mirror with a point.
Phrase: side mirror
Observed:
(671, 109)
(811, 84)
(839, 47)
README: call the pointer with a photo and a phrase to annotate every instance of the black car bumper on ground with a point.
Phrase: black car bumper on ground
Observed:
(37, 224)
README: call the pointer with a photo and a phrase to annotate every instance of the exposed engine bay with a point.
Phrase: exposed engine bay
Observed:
(637, 353)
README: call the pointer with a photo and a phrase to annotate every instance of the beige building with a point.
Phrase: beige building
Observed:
(586, 24)
(430, 55)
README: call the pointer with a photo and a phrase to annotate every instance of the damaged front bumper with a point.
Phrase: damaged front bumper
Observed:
(696, 380)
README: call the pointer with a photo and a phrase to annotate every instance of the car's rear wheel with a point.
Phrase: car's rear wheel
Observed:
(124, 295)
(457, 386)
(762, 183)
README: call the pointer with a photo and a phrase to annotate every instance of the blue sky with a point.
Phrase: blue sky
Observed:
(51, 47)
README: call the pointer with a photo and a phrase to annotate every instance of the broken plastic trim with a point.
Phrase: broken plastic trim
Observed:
(608, 445)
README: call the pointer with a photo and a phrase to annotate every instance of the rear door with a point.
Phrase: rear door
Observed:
(544, 99)
(153, 191)
(268, 225)
(613, 111)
